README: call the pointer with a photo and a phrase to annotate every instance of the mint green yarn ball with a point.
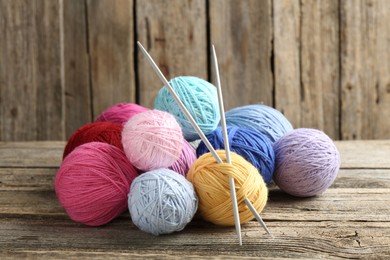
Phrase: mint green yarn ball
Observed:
(199, 97)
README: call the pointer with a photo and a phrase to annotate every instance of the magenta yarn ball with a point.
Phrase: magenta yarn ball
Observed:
(120, 113)
(92, 183)
(187, 158)
(307, 162)
(152, 140)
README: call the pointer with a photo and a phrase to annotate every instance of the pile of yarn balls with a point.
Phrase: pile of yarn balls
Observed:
(151, 162)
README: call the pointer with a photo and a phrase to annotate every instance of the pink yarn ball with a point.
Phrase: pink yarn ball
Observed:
(307, 162)
(93, 182)
(120, 113)
(187, 158)
(152, 140)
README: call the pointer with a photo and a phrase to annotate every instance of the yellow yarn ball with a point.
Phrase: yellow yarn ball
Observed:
(211, 182)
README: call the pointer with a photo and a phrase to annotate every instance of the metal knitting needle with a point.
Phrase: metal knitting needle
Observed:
(226, 141)
(227, 148)
(196, 127)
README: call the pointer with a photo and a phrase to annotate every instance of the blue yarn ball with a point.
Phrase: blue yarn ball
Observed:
(199, 97)
(161, 201)
(265, 119)
(252, 145)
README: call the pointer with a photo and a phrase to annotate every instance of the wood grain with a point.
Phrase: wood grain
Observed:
(365, 78)
(363, 178)
(286, 49)
(75, 66)
(319, 66)
(27, 179)
(33, 145)
(242, 34)
(174, 33)
(111, 50)
(324, 64)
(301, 239)
(30, 73)
(350, 220)
(31, 154)
(372, 154)
(306, 58)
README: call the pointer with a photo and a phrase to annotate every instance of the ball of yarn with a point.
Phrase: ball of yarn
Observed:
(105, 132)
(161, 202)
(252, 145)
(200, 99)
(307, 162)
(152, 140)
(93, 182)
(211, 182)
(265, 119)
(120, 113)
(187, 158)
(195, 143)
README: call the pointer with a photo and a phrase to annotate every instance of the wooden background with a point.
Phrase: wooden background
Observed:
(324, 64)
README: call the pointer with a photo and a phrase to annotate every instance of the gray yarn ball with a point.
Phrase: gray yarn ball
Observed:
(161, 202)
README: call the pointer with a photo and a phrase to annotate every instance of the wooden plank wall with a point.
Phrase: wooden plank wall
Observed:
(324, 64)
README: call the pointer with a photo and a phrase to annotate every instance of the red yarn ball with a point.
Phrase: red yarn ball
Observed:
(93, 182)
(104, 132)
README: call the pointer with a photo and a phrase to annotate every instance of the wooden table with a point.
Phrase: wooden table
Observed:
(350, 220)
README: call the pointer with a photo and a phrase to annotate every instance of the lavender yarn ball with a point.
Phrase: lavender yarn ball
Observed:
(161, 202)
(255, 147)
(307, 162)
(265, 119)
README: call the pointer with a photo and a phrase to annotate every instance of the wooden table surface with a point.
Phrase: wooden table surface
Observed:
(350, 220)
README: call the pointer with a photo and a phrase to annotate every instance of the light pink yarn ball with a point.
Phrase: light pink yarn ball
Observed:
(152, 140)
(187, 158)
(120, 113)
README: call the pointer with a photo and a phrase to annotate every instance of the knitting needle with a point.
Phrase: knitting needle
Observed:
(227, 148)
(197, 129)
(226, 140)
